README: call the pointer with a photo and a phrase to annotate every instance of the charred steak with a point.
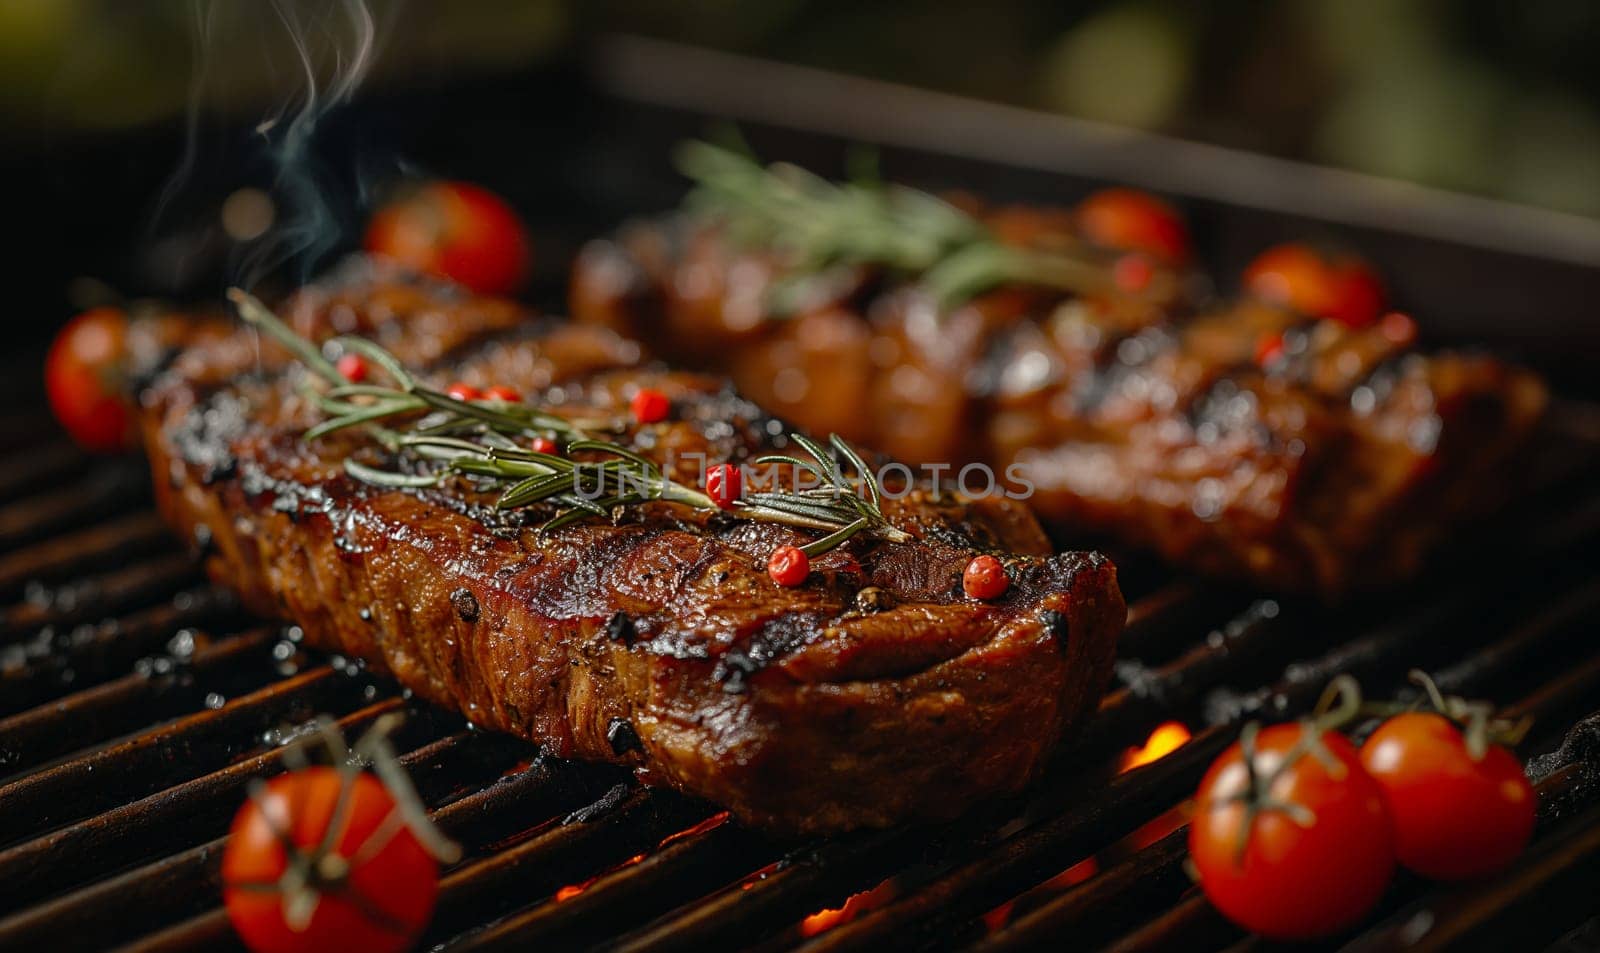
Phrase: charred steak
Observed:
(874, 693)
(1150, 417)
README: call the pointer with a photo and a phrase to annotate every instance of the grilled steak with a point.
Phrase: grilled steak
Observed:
(874, 693)
(1146, 416)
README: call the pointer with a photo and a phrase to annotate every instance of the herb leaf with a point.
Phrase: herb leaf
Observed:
(437, 435)
(812, 226)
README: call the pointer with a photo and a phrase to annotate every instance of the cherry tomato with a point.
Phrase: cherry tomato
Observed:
(1134, 221)
(1454, 817)
(1294, 872)
(789, 566)
(85, 378)
(545, 445)
(455, 230)
(985, 578)
(352, 368)
(1343, 288)
(508, 395)
(461, 390)
(372, 890)
(649, 406)
(724, 484)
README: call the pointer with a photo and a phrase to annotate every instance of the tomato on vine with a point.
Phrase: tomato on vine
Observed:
(1461, 804)
(331, 859)
(1290, 836)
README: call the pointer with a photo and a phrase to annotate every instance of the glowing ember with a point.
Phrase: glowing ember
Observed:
(710, 823)
(1167, 738)
(1071, 877)
(1162, 825)
(999, 916)
(571, 890)
(822, 921)
(855, 905)
(1074, 875)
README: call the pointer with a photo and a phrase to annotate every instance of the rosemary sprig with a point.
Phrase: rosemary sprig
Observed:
(439, 436)
(816, 226)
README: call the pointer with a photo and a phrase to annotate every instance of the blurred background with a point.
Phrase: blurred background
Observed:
(127, 128)
(1483, 96)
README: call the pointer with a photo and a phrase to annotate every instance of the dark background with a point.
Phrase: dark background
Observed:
(127, 125)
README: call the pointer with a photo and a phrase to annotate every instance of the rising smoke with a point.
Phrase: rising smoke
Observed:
(311, 195)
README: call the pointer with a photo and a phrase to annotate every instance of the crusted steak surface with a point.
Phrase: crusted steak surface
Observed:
(874, 693)
(1149, 417)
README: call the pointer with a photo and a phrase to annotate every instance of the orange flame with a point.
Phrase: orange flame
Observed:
(1158, 827)
(711, 823)
(999, 916)
(1074, 875)
(572, 890)
(854, 905)
(1167, 738)
(1071, 877)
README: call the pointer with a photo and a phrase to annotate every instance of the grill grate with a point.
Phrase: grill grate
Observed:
(136, 704)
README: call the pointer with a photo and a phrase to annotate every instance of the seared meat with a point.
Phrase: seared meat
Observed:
(874, 693)
(1144, 416)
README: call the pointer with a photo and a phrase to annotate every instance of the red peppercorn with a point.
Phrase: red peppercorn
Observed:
(545, 445)
(1133, 273)
(1269, 350)
(985, 578)
(650, 406)
(461, 390)
(352, 368)
(789, 566)
(509, 395)
(724, 484)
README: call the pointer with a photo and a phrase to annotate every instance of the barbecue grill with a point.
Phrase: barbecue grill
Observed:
(137, 702)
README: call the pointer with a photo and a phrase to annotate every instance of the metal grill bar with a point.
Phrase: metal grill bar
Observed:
(23, 473)
(674, 875)
(186, 748)
(113, 488)
(1110, 902)
(99, 596)
(943, 899)
(99, 713)
(143, 829)
(91, 548)
(571, 852)
(52, 661)
(187, 882)
(1067, 912)
(570, 855)
(986, 882)
(1517, 909)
